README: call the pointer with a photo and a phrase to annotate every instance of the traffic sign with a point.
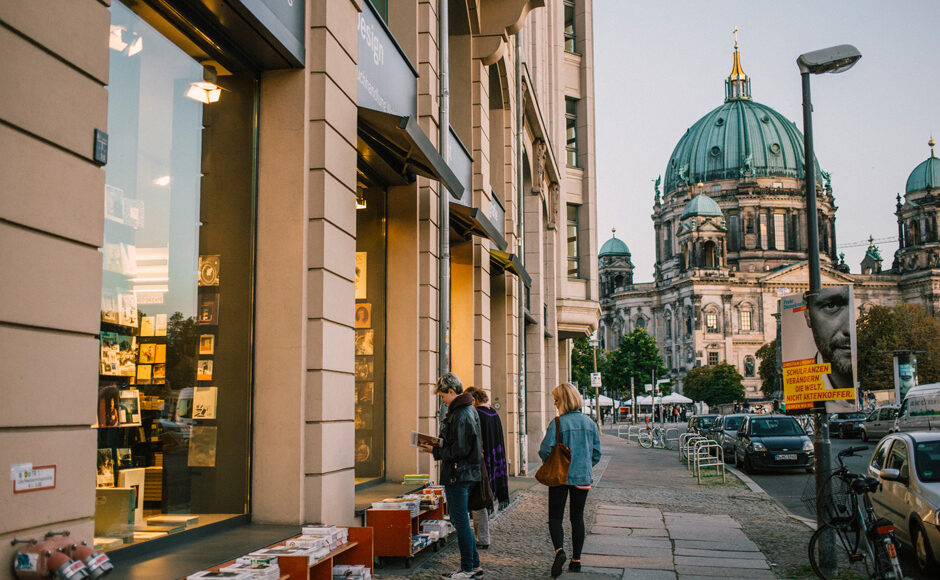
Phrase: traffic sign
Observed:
(596, 380)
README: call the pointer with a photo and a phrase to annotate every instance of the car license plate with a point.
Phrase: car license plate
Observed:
(786, 457)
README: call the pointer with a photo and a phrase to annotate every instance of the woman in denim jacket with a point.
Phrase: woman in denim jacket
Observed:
(580, 434)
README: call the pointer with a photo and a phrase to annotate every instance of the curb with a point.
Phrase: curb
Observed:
(753, 486)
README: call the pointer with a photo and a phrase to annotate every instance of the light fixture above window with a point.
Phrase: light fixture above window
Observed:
(360, 199)
(206, 91)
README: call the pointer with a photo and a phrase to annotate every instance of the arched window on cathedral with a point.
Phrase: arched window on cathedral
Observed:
(667, 321)
(710, 255)
(688, 323)
(618, 281)
(711, 319)
(932, 226)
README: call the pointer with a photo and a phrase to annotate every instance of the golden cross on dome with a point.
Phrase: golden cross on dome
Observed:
(735, 32)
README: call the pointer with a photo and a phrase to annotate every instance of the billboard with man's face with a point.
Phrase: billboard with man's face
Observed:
(818, 348)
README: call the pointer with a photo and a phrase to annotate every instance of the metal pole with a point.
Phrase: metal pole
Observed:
(822, 445)
(597, 402)
(520, 252)
(633, 398)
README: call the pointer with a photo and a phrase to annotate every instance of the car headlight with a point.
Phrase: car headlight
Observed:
(758, 446)
(807, 446)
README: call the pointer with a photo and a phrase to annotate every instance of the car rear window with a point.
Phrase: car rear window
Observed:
(785, 426)
(855, 417)
(927, 460)
(706, 421)
(732, 423)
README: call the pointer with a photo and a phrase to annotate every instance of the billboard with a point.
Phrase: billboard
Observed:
(818, 349)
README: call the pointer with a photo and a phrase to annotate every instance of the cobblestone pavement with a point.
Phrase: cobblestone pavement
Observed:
(633, 478)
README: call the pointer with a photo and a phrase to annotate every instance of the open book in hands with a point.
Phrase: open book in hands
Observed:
(418, 439)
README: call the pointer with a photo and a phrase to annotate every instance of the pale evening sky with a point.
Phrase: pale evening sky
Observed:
(660, 66)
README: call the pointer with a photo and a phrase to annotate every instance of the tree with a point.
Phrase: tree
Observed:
(767, 355)
(582, 362)
(715, 384)
(903, 327)
(637, 355)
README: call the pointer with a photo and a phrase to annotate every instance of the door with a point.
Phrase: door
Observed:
(895, 494)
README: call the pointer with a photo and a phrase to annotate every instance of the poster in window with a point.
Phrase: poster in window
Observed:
(208, 313)
(364, 368)
(109, 406)
(144, 372)
(202, 446)
(204, 370)
(109, 307)
(124, 458)
(128, 310)
(114, 204)
(118, 354)
(130, 408)
(363, 417)
(365, 341)
(363, 449)
(105, 476)
(363, 315)
(159, 328)
(204, 402)
(206, 344)
(361, 260)
(134, 212)
(148, 353)
(159, 373)
(209, 270)
(364, 393)
(146, 325)
(160, 356)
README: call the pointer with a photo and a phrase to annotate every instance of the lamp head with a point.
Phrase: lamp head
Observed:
(834, 59)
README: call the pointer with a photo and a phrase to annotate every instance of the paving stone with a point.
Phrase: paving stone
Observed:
(649, 533)
(594, 574)
(730, 535)
(704, 571)
(722, 562)
(628, 522)
(739, 546)
(713, 554)
(626, 542)
(653, 563)
(693, 516)
(628, 510)
(635, 574)
(632, 551)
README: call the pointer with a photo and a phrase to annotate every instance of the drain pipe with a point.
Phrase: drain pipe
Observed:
(443, 280)
(520, 251)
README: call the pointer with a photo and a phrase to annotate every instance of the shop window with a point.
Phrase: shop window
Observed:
(570, 34)
(712, 358)
(571, 131)
(574, 258)
(174, 396)
(745, 321)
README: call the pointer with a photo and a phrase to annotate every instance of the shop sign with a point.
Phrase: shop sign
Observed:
(497, 213)
(28, 478)
(387, 79)
(461, 163)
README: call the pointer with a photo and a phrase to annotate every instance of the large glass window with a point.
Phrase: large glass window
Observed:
(712, 358)
(571, 130)
(711, 322)
(570, 36)
(745, 321)
(174, 399)
(780, 239)
(574, 258)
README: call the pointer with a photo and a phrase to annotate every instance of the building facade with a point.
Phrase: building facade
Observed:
(249, 237)
(730, 238)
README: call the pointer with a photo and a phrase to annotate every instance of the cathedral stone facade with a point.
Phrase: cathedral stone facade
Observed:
(731, 237)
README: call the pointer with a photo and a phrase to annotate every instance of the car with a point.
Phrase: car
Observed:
(908, 466)
(846, 425)
(724, 432)
(879, 422)
(701, 423)
(920, 410)
(772, 442)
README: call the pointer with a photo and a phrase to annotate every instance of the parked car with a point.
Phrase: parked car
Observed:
(846, 425)
(772, 442)
(724, 431)
(879, 422)
(920, 410)
(701, 423)
(908, 465)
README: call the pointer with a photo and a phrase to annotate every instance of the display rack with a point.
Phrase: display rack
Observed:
(357, 551)
(394, 528)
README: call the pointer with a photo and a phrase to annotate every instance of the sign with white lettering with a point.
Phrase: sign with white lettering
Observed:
(596, 380)
(35, 479)
(387, 80)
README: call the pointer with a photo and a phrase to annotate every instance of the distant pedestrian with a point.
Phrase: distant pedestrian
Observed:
(580, 434)
(494, 456)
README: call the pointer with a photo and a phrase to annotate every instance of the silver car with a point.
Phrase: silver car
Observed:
(879, 422)
(908, 465)
(724, 431)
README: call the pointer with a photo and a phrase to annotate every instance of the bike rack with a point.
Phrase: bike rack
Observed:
(702, 458)
(686, 442)
(672, 435)
(633, 433)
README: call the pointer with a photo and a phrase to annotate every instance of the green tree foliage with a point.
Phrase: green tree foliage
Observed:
(767, 355)
(637, 355)
(582, 362)
(715, 384)
(904, 327)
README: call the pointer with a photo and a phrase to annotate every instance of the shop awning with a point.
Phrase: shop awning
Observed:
(471, 220)
(511, 263)
(396, 148)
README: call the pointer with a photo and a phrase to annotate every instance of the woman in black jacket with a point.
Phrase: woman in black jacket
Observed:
(494, 454)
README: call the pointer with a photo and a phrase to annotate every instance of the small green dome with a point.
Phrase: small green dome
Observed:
(925, 176)
(614, 247)
(701, 206)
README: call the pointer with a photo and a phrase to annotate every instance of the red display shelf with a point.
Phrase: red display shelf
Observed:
(394, 528)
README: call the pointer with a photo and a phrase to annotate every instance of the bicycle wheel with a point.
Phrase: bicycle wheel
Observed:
(645, 439)
(852, 558)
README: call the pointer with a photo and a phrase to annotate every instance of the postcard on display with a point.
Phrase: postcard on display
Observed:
(160, 355)
(364, 368)
(135, 479)
(144, 372)
(184, 404)
(365, 338)
(818, 349)
(208, 311)
(364, 393)
(130, 408)
(159, 374)
(204, 402)
(114, 204)
(134, 212)
(109, 406)
(363, 419)
(109, 307)
(127, 303)
(361, 260)
(148, 352)
(146, 325)
(204, 370)
(202, 446)
(209, 270)
(363, 315)
(105, 476)
(159, 328)
(118, 354)
(363, 449)
(206, 344)
(112, 258)
(128, 260)
(124, 458)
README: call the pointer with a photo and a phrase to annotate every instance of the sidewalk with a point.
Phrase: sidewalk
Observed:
(646, 518)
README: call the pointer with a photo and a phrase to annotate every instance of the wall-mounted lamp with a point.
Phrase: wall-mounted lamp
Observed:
(206, 91)
(360, 199)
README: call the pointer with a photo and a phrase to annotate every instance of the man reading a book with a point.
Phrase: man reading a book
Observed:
(460, 454)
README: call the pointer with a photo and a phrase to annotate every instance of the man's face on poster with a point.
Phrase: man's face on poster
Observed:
(829, 317)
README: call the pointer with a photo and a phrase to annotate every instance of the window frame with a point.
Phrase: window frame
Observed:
(572, 35)
(746, 322)
(572, 147)
(712, 355)
(575, 259)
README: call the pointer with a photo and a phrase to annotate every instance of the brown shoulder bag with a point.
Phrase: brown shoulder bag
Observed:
(554, 471)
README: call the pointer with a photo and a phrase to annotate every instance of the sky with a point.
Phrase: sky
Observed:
(660, 66)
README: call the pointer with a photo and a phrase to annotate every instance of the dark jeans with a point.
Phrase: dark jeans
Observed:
(460, 517)
(557, 496)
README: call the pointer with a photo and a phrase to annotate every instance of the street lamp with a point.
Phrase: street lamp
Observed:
(835, 59)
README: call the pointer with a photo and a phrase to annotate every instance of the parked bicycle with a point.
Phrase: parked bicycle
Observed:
(653, 437)
(865, 544)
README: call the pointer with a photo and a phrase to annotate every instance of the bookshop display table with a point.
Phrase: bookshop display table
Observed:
(394, 529)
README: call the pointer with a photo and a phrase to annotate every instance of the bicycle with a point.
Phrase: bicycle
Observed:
(864, 542)
(652, 437)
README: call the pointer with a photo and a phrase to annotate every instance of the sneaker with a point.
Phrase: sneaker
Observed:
(478, 572)
(558, 564)
(459, 575)
(574, 566)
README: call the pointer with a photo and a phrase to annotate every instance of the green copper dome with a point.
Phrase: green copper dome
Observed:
(925, 176)
(701, 206)
(614, 247)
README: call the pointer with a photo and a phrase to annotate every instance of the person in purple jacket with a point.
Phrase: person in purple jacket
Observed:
(494, 455)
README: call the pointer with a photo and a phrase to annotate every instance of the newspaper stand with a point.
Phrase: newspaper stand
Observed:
(357, 551)
(394, 528)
